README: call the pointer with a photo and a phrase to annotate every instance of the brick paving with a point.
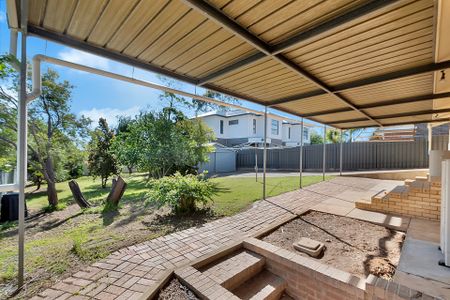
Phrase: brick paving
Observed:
(129, 272)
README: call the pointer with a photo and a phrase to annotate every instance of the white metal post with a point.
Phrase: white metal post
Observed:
(256, 163)
(340, 155)
(301, 154)
(22, 141)
(265, 153)
(430, 137)
(324, 151)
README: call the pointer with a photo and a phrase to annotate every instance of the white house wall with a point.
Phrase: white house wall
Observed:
(244, 129)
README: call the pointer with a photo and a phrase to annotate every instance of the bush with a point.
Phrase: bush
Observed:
(181, 193)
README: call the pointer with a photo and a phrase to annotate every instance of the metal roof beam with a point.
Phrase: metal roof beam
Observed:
(368, 81)
(446, 120)
(119, 57)
(292, 41)
(399, 115)
(356, 13)
(235, 28)
(406, 100)
(233, 67)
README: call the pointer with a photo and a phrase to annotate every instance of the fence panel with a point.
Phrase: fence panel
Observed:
(356, 156)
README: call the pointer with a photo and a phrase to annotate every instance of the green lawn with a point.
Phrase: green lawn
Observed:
(235, 194)
(64, 241)
(238, 192)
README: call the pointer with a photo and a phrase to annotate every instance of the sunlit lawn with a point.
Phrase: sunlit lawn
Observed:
(235, 193)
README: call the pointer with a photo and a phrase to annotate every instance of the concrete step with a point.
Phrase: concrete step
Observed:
(234, 269)
(422, 178)
(380, 196)
(264, 286)
(409, 181)
(398, 192)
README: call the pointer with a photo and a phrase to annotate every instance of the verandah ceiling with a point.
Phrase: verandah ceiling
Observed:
(346, 63)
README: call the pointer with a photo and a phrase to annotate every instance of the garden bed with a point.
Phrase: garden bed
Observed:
(174, 290)
(354, 246)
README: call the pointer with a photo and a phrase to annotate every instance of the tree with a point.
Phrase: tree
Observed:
(175, 101)
(101, 161)
(203, 106)
(126, 152)
(52, 127)
(333, 136)
(354, 133)
(315, 138)
(168, 142)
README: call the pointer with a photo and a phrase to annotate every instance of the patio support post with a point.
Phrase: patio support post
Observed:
(22, 140)
(265, 153)
(430, 137)
(301, 153)
(256, 162)
(340, 155)
(324, 151)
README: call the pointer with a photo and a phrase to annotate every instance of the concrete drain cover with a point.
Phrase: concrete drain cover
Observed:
(309, 246)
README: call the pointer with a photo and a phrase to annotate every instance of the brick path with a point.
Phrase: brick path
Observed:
(127, 273)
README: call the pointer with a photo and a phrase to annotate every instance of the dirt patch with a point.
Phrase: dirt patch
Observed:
(354, 246)
(62, 242)
(176, 291)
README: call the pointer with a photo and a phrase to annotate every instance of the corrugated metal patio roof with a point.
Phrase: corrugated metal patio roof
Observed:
(345, 63)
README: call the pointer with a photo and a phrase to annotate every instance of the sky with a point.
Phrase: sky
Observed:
(95, 96)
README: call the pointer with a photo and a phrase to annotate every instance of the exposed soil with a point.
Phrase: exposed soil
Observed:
(176, 291)
(54, 256)
(354, 246)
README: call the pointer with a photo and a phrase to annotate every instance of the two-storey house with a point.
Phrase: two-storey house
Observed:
(237, 127)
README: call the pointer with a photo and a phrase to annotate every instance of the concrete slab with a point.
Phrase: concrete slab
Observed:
(425, 230)
(334, 206)
(396, 223)
(419, 269)
(354, 196)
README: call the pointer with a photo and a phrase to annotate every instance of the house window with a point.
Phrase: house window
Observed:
(289, 133)
(221, 126)
(275, 129)
(254, 126)
(305, 134)
(233, 122)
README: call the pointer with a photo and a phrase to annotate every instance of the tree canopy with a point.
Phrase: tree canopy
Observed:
(101, 160)
(167, 142)
(55, 134)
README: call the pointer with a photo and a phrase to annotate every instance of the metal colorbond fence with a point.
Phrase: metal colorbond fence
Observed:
(356, 156)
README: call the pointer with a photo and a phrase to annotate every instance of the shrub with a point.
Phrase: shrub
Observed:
(181, 193)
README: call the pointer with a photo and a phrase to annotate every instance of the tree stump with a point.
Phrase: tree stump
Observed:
(77, 195)
(117, 190)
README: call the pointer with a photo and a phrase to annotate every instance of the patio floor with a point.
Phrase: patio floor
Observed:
(127, 273)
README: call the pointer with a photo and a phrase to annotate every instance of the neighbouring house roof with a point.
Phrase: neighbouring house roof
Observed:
(345, 63)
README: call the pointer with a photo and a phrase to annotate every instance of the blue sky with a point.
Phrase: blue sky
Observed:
(96, 96)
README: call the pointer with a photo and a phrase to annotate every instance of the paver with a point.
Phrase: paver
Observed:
(139, 266)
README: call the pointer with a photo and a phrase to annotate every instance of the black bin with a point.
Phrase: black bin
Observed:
(10, 207)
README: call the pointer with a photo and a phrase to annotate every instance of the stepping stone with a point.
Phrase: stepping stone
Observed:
(311, 247)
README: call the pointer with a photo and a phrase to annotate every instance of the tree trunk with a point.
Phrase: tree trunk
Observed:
(117, 190)
(77, 195)
(104, 182)
(130, 169)
(52, 194)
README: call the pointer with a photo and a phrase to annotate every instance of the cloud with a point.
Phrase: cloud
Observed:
(110, 114)
(2, 16)
(84, 58)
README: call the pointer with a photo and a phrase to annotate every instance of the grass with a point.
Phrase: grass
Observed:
(78, 237)
(238, 192)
